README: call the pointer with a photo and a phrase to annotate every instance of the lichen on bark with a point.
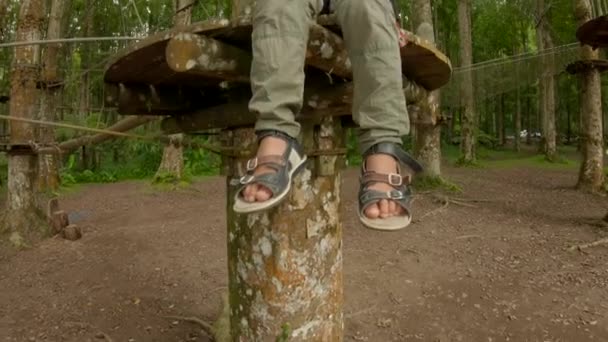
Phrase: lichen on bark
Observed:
(285, 265)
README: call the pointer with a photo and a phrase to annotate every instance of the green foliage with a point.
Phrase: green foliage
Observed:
(128, 159)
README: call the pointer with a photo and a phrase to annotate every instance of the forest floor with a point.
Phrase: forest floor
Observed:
(492, 265)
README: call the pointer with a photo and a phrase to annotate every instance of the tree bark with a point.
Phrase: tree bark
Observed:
(285, 265)
(172, 163)
(591, 175)
(427, 143)
(517, 120)
(22, 217)
(468, 100)
(547, 82)
(48, 164)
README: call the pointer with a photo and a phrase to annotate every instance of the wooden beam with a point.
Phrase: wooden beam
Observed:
(203, 56)
(318, 103)
(123, 125)
(141, 99)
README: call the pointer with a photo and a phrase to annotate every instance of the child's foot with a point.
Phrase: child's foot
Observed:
(269, 174)
(385, 196)
(384, 164)
(268, 146)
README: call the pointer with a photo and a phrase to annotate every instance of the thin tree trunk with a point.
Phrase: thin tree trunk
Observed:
(22, 219)
(48, 164)
(3, 13)
(529, 120)
(517, 121)
(427, 145)
(172, 164)
(591, 175)
(547, 82)
(468, 99)
(502, 121)
(85, 87)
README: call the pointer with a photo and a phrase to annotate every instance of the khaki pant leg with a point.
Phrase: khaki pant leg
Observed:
(279, 40)
(371, 37)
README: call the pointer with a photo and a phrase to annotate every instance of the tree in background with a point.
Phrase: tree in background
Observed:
(48, 164)
(22, 218)
(427, 144)
(172, 165)
(546, 86)
(468, 120)
(591, 175)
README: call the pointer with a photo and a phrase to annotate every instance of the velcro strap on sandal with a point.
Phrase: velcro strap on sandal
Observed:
(392, 179)
(396, 152)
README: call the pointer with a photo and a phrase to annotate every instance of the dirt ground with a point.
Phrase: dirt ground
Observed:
(497, 269)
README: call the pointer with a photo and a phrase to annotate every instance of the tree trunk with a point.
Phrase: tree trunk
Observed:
(85, 88)
(468, 99)
(22, 217)
(502, 131)
(172, 164)
(517, 120)
(48, 164)
(547, 82)
(591, 175)
(427, 143)
(285, 265)
(529, 120)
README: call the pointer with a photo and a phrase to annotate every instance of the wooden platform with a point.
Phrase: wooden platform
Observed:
(170, 73)
(594, 32)
(585, 65)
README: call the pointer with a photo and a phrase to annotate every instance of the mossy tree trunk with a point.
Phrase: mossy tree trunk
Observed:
(22, 219)
(547, 81)
(285, 265)
(427, 143)
(591, 175)
(48, 164)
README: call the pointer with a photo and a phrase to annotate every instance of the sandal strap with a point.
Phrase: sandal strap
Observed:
(392, 179)
(402, 197)
(396, 152)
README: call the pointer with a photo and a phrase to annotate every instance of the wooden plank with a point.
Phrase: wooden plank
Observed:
(594, 32)
(206, 57)
(421, 61)
(145, 62)
(586, 65)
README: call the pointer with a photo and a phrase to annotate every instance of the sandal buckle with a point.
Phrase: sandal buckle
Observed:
(395, 179)
(252, 164)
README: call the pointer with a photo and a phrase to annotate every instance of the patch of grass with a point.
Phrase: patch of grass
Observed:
(535, 161)
(427, 183)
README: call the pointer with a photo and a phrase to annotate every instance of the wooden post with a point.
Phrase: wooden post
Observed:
(285, 265)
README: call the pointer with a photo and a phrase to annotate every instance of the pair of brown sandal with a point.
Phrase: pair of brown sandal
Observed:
(286, 166)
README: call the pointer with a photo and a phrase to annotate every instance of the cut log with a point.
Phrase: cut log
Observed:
(326, 52)
(207, 57)
(285, 264)
(71, 232)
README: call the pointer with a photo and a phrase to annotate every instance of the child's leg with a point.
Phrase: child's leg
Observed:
(279, 41)
(379, 107)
